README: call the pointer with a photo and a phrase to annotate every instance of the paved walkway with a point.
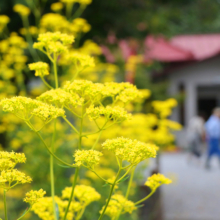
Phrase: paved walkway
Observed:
(195, 193)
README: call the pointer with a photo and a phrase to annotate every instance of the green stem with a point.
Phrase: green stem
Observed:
(55, 70)
(80, 132)
(48, 149)
(46, 84)
(87, 134)
(5, 205)
(52, 172)
(78, 116)
(79, 11)
(29, 209)
(125, 174)
(97, 139)
(72, 192)
(71, 125)
(145, 198)
(128, 190)
(130, 182)
(69, 7)
(110, 195)
(79, 215)
(101, 177)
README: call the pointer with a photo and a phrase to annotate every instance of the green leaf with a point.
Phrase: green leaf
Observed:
(126, 177)
(139, 206)
(107, 184)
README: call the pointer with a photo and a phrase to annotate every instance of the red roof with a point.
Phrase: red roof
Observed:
(182, 48)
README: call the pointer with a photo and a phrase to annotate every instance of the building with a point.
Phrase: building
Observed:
(194, 70)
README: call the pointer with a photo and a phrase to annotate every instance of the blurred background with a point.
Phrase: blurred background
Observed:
(172, 48)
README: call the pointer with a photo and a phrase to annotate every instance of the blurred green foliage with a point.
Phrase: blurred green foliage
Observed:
(137, 18)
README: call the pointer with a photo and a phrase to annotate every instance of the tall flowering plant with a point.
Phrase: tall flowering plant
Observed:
(74, 103)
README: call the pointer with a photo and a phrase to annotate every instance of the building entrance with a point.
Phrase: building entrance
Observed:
(208, 98)
(205, 106)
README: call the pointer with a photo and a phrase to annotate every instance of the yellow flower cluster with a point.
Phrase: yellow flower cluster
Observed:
(24, 108)
(8, 160)
(132, 151)
(87, 158)
(32, 30)
(91, 48)
(131, 94)
(84, 2)
(164, 107)
(56, 6)
(21, 9)
(157, 180)
(41, 68)
(33, 196)
(53, 42)
(44, 208)
(54, 22)
(170, 124)
(85, 89)
(123, 92)
(61, 98)
(132, 62)
(81, 60)
(4, 20)
(80, 25)
(12, 62)
(84, 194)
(119, 203)
(117, 114)
(11, 178)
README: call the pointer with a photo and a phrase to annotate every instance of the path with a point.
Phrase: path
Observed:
(195, 194)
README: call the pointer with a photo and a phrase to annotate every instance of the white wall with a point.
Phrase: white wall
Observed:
(204, 73)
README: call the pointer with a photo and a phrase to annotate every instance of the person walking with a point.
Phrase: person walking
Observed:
(196, 135)
(212, 127)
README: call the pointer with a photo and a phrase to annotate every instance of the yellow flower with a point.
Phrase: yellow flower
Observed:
(132, 151)
(54, 22)
(33, 196)
(84, 194)
(56, 6)
(85, 2)
(87, 158)
(4, 20)
(43, 208)
(81, 60)
(21, 9)
(61, 98)
(86, 89)
(32, 30)
(170, 124)
(41, 68)
(53, 42)
(80, 25)
(24, 108)
(15, 157)
(11, 178)
(91, 48)
(117, 114)
(157, 180)
(119, 203)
